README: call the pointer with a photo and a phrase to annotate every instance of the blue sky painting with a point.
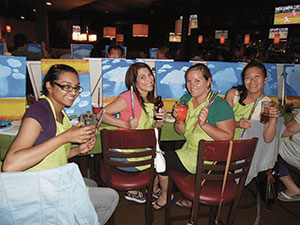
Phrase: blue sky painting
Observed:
(12, 77)
(35, 47)
(292, 80)
(80, 51)
(170, 80)
(225, 75)
(113, 75)
(271, 87)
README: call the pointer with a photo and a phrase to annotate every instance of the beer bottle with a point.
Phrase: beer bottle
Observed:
(158, 104)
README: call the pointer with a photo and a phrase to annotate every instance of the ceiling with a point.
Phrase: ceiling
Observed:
(132, 8)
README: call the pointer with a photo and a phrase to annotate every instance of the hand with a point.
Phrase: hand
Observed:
(133, 123)
(244, 123)
(203, 116)
(273, 111)
(162, 115)
(87, 146)
(174, 111)
(80, 133)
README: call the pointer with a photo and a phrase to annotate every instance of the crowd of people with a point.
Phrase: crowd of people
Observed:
(45, 136)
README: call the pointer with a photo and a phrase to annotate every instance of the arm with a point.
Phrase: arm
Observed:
(23, 155)
(116, 107)
(270, 126)
(292, 128)
(242, 123)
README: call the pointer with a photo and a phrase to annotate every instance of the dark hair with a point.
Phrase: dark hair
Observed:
(242, 88)
(54, 73)
(130, 80)
(116, 47)
(20, 40)
(202, 68)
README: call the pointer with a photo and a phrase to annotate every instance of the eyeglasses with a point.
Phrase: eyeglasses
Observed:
(68, 88)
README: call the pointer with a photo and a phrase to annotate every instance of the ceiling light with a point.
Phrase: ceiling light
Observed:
(49, 3)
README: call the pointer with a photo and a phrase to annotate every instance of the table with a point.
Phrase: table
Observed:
(168, 134)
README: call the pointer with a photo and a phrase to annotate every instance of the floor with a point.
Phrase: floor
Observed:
(128, 213)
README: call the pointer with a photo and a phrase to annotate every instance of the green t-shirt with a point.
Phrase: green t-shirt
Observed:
(219, 111)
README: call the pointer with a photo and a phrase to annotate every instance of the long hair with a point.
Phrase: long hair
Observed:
(54, 73)
(242, 88)
(130, 80)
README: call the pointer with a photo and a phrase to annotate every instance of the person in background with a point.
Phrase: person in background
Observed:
(140, 77)
(163, 52)
(46, 134)
(21, 49)
(115, 51)
(242, 99)
(289, 150)
(216, 122)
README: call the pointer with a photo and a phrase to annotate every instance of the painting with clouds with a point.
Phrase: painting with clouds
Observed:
(291, 84)
(113, 76)
(12, 87)
(170, 82)
(292, 80)
(271, 87)
(80, 51)
(12, 77)
(225, 75)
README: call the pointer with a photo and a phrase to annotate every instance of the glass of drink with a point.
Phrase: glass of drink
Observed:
(265, 107)
(88, 119)
(181, 110)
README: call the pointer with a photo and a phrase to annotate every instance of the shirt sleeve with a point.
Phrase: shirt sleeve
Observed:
(221, 110)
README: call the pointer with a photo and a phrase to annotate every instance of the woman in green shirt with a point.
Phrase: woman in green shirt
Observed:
(216, 123)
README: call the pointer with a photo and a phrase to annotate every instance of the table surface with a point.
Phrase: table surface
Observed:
(168, 134)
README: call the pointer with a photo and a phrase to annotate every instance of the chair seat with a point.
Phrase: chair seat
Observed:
(126, 180)
(210, 192)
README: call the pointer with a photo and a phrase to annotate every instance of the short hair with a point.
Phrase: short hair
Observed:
(20, 40)
(54, 73)
(116, 47)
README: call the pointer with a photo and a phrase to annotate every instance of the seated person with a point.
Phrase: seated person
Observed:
(216, 122)
(289, 150)
(139, 76)
(45, 136)
(115, 51)
(243, 98)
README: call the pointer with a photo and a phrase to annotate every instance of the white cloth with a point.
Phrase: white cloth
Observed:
(265, 154)
(51, 196)
(289, 149)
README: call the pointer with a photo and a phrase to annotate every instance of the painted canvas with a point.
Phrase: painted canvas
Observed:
(35, 47)
(271, 87)
(12, 87)
(113, 77)
(170, 82)
(153, 53)
(1, 48)
(83, 103)
(225, 75)
(80, 51)
(292, 84)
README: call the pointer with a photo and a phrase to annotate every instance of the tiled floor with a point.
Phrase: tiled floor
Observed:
(133, 214)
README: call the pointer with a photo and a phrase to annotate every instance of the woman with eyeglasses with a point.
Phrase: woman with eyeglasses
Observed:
(45, 136)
